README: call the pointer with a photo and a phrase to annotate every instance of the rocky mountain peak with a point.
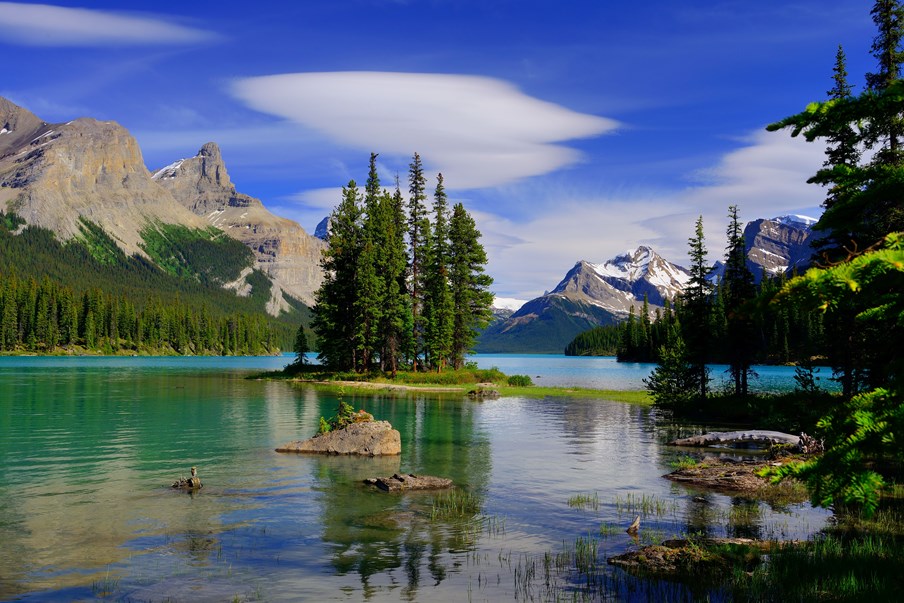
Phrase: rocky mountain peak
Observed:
(17, 126)
(201, 183)
(56, 175)
(778, 245)
(284, 251)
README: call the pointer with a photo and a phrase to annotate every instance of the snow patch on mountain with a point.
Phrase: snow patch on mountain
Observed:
(168, 171)
(508, 303)
(796, 220)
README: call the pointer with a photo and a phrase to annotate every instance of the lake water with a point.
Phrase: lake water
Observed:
(89, 446)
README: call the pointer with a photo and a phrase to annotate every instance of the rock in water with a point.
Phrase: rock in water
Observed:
(375, 438)
(409, 481)
(191, 483)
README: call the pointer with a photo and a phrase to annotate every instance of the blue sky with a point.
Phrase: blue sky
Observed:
(570, 130)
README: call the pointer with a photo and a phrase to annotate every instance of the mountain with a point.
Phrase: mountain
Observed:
(590, 295)
(85, 180)
(778, 245)
(57, 176)
(282, 249)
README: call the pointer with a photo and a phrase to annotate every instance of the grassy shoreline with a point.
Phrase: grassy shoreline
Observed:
(447, 383)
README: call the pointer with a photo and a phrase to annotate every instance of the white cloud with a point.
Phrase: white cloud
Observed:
(48, 25)
(478, 131)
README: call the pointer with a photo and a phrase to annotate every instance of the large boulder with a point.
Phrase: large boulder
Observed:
(374, 438)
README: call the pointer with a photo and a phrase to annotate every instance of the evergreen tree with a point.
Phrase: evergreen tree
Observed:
(418, 240)
(471, 297)
(886, 126)
(334, 311)
(696, 303)
(301, 347)
(840, 170)
(438, 312)
(739, 291)
(397, 318)
(370, 285)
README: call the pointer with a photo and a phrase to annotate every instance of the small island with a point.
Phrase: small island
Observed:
(350, 432)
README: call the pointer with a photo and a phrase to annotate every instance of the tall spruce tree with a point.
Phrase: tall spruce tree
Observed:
(438, 311)
(418, 240)
(470, 285)
(696, 300)
(335, 301)
(887, 126)
(839, 173)
(370, 286)
(739, 291)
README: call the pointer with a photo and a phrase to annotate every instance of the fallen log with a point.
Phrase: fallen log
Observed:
(754, 438)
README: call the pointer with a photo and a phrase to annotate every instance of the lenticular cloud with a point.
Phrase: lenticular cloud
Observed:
(47, 25)
(478, 131)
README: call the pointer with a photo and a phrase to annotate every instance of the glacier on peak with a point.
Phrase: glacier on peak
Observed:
(796, 220)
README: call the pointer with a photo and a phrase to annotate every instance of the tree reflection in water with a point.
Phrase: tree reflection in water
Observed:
(395, 540)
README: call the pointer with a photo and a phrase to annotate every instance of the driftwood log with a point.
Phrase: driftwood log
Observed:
(753, 438)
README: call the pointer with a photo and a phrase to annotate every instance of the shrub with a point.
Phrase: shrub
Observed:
(520, 381)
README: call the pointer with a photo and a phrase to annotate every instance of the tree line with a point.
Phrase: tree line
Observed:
(400, 289)
(143, 307)
(780, 334)
(45, 317)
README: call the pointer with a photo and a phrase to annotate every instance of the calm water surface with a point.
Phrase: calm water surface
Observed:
(89, 446)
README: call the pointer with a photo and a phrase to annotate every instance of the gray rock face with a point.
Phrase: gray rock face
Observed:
(283, 250)
(409, 481)
(53, 174)
(375, 438)
(322, 229)
(777, 246)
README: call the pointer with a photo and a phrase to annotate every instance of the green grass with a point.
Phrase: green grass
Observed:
(459, 381)
(584, 501)
(684, 462)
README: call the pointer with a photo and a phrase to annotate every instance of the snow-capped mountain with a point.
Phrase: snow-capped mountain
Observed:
(588, 296)
(597, 294)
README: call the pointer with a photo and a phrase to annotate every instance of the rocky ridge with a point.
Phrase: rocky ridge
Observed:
(53, 175)
(282, 248)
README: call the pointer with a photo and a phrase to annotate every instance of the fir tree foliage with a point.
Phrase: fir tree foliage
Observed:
(738, 290)
(697, 301)
(384, 304)
(867, 427)
(470, 284)
(438, 310)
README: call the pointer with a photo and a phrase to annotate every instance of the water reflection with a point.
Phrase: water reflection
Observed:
(395, 536)
(87, 456)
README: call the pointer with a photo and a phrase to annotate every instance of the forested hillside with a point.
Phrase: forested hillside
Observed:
(86, 295)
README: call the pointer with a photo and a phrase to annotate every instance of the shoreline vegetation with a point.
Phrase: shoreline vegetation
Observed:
(454, 382)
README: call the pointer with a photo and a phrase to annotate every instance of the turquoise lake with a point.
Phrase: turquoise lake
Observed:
(89, 447)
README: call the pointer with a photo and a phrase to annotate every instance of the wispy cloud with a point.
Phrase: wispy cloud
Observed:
(478, 131)
(48, 25)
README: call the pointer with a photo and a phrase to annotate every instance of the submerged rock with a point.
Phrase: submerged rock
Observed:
(409, 481)
(372, 438)
(693, 559)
